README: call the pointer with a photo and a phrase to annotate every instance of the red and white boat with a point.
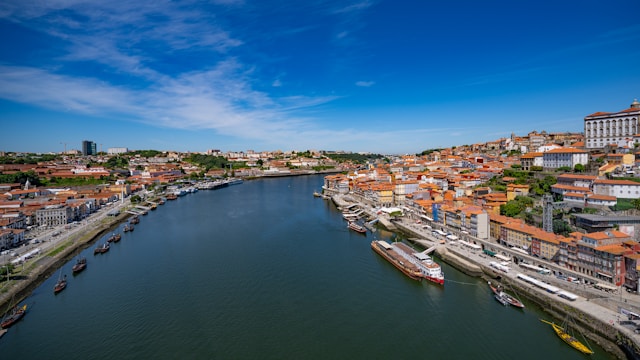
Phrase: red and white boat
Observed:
(431, 270)
(357, 227)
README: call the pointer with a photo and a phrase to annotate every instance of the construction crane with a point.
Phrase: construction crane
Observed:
(65, 147)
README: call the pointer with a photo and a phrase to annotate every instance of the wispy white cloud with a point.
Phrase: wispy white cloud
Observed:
(216, 92)
(354, 7)
(365, 83)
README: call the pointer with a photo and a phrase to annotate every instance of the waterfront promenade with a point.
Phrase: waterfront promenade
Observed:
(599, 304)
(55, 246)
(265, 270)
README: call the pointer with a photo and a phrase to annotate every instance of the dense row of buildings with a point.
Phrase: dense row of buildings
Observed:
(445, 187)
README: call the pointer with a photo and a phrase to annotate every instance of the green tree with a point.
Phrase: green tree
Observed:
(578, 168)
(510, 209)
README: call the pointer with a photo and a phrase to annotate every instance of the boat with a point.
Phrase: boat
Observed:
(431, 269)
(2, 332)
(114, 238)
(80, 265)
(501, 298)
(171, 196)
(128, 227)
(317, 194)
(12, 317)
(357, 227)
(497, 290)
(101, 249)
(135, 219)
(392, 255)
(566, 337)
(60, 285)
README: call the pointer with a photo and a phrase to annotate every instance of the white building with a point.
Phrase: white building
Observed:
(603, 128)
(562, 157)
(625, 189)
(117, 150)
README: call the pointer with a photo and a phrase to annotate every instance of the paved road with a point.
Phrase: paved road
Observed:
(49, 238)
(599, 303)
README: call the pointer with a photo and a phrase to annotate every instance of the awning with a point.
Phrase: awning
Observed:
(605, 275)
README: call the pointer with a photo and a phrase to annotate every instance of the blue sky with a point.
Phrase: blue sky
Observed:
(379, 76)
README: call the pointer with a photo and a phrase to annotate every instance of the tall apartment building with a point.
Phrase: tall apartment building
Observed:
(604, 128)
(89, 148)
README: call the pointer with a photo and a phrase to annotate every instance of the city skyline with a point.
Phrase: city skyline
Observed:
(361, 76)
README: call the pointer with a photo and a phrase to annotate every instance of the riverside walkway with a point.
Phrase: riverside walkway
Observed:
(603, 307)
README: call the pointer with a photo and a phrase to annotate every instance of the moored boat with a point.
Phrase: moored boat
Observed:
(357, 227)
(128, 227)
(497, 290)
(60, 285)
(101, 249)
(80, 265)
(135, 219)
(575, 343)
(431, 270)
(114, 238)
(16, 314)
(501, 299)
(390, 254)
(171, 196)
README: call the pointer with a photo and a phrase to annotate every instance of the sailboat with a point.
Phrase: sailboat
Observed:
(80, 265)
(498, 291)
(13, 316)
(561, 331)
(61, 284)
(101, 249)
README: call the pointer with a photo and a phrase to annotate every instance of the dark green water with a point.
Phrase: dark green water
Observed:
(264, 270)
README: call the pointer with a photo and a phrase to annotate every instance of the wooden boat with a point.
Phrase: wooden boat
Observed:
(60, 285)
(357, 227)
(114, 238)
(171, 196)
(562, 333)
(135, 219)
(80, 265)
(11, 318)
(128, 227)
(101, 249)
(497, 290)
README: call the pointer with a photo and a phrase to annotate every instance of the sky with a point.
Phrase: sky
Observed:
(381, 76)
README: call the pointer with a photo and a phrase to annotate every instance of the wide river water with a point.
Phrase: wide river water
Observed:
(263, 270)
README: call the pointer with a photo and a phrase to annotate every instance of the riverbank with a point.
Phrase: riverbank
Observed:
(36, 271)
(595, 316)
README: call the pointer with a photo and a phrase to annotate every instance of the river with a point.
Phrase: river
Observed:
(263, 270)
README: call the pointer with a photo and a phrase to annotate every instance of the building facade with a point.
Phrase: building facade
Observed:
(564, 157)
(604, 128)
(54, 215)
(89, 148)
